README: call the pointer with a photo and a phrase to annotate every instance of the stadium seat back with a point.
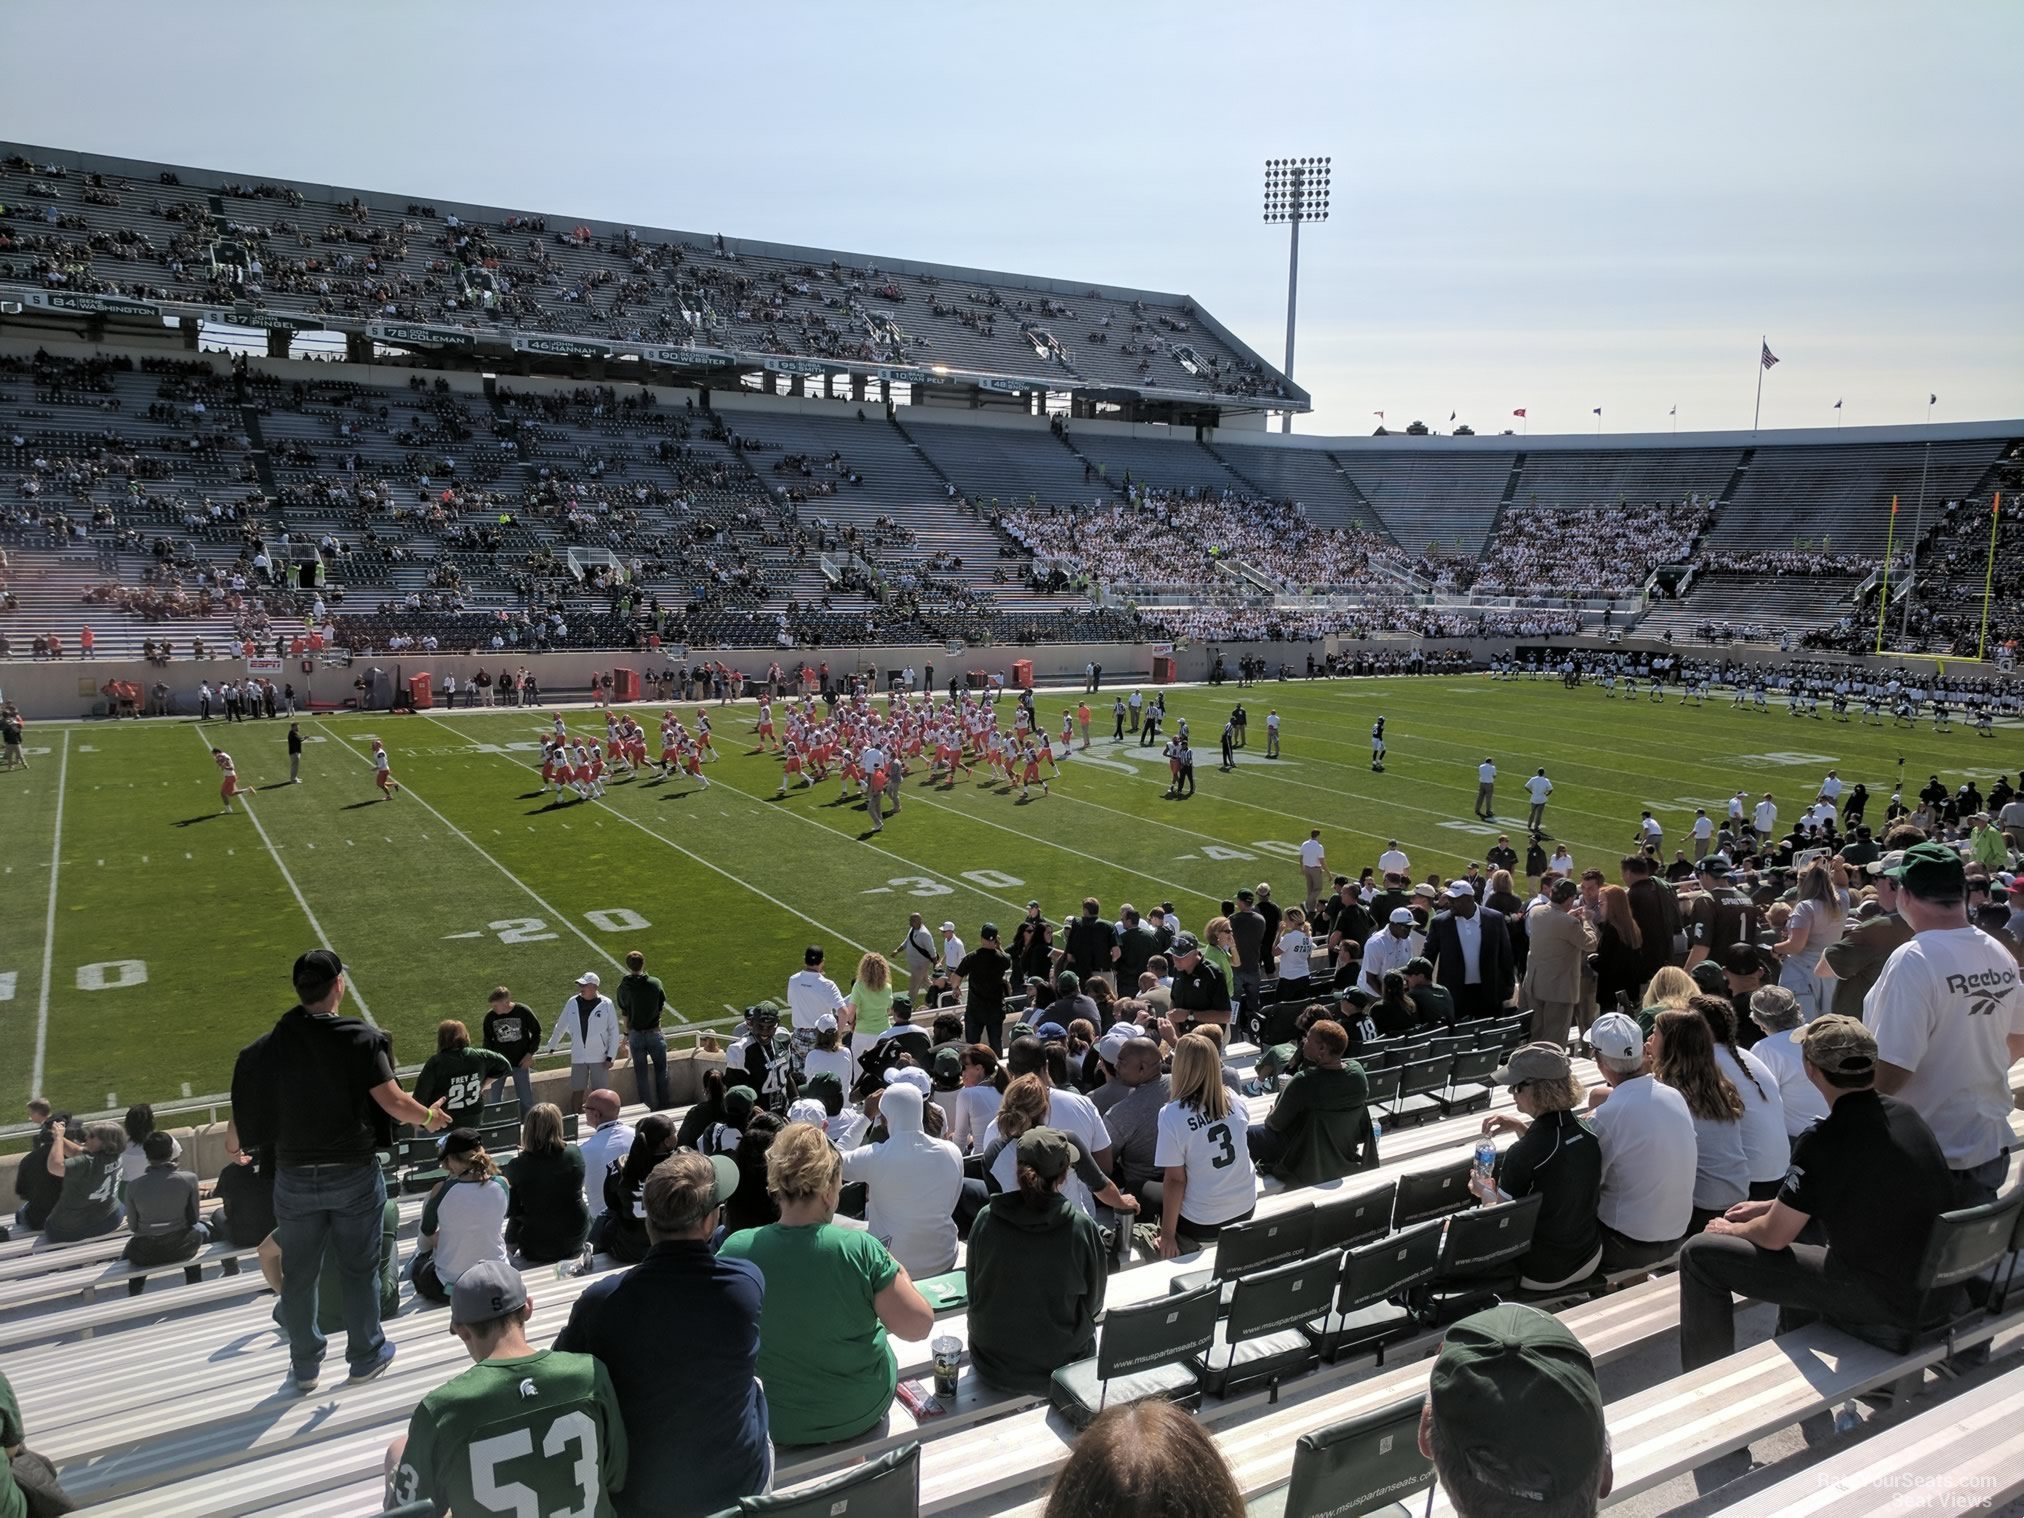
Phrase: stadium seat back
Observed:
(1371, 1309)
(1360, 1465)
(1423, 1077)
(1454, 1043)
(888, 1486)
(1355, 1220)
(1432, 1194)
(1142, 1351)
(1488, 1239)
(1262, 1338)
(1383, 1084)
(1264, 1242)
(1474, 1067)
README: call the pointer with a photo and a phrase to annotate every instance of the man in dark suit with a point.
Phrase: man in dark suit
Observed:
(1470, 946)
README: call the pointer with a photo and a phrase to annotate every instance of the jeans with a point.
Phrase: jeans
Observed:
(984, 1025)
(523, 1087)
(339, 1206)
(1266, 1147)
(650, 1046)
(1713, 1265)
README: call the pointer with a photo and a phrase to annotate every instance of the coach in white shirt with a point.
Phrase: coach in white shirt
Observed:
(953, 948)
(810, 993)
(589, 1022)
(604, 1146)
(1538, 788)
(1314, 869)
(1486, 782)
(1393, 860)
(1764, 817)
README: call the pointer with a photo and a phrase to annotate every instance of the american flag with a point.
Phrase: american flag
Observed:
(1378, 414)
(1519, 412)
(1598, 411)
(1770, 358)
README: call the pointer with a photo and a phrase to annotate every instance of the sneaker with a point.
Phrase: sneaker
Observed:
(303, 1380)
(380, 1362)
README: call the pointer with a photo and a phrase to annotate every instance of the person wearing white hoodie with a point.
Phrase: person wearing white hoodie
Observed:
(912, 1185)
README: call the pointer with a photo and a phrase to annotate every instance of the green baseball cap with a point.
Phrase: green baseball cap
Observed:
(1515, 1397)
(1930, 869)
(1047, 1151)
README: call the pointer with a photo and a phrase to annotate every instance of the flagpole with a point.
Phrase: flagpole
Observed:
(1883, 604)
(1989, 575)
(1762, 344)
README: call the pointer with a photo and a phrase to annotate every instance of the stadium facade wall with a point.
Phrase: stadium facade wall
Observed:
(66, 690)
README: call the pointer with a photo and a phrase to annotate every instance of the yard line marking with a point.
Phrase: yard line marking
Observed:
(300, 900)
(690, 853)
(49, 927)
(594, 946)
(1171, 885)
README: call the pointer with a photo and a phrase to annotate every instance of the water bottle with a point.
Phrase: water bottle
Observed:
(1486, 1158)
(1376, 1129)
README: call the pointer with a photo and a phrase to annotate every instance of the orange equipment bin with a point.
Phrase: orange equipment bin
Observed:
(418, 687)
(625, 685)
(1163, 669)
(1022, 673)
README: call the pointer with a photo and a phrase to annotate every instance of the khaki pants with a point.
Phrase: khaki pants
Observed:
(1316, 877)
(1551, 1021)
(917, 983)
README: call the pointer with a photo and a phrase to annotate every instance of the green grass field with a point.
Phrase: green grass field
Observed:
(144, 938)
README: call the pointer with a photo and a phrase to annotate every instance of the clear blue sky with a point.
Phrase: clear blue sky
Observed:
(1556, 206)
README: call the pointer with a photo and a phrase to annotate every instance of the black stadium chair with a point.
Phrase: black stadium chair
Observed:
(1469, 1084)
(1142, 1351)
(1433, 1194)
(1355, 1220)
(888, 1486)
(1479, 1259)
(1243, 1248)
(1965, 1244)
(1419, 1082)
(1361, 1466)
(1260, 1340)
(1370, 1308)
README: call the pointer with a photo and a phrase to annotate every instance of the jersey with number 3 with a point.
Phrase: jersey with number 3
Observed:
(535, 1437)
(1222, 1185)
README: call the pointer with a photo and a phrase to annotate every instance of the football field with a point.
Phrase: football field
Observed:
(144, 937)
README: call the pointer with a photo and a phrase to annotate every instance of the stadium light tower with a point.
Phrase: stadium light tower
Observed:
(1296, 190)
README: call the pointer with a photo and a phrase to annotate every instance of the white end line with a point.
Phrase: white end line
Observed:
(49, 926)
(301, 901)
(595, 947)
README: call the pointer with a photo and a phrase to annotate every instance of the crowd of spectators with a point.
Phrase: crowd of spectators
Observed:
(1586, 550)
(1084, 1063)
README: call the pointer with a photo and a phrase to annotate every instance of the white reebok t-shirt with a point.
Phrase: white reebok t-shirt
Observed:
(1222, 1186)
(1311, 854)
(1944, 1008)
(1539, 788)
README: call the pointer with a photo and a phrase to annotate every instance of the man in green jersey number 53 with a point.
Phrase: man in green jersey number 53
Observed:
(524, 1430)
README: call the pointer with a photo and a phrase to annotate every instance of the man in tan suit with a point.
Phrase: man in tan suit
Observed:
(1560, 941)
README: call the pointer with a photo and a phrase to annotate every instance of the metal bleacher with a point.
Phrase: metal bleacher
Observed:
(1424, 497)
(1841, 496)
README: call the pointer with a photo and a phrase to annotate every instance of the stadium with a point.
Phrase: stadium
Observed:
(356, 548)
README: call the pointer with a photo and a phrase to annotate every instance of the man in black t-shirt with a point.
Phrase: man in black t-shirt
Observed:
(1136, 943)
(512, 1030)
(984, 970)
(1501, 856)
(1088, 942)
(320, 1089)
(1870, 1173)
